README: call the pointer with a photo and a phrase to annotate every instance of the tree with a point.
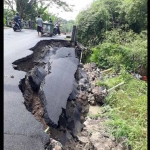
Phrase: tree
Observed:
(8, 13)
(26, 8)
(135, 13)
(10, 3)
(105, 15)
(66, 26)
(93, 21)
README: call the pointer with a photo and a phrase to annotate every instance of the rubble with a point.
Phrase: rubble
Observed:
(94, 136)
(96, 94)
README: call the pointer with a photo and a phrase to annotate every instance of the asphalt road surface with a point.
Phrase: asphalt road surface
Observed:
(21, 130)
(59, 83)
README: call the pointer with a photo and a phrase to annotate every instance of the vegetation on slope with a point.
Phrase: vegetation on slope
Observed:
(105, 15)
(122, 48)
(126, 107)
(115, 33)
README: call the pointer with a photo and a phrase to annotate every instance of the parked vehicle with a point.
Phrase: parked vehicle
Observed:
(47, 29)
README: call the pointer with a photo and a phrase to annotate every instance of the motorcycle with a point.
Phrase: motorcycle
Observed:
(56, 30)
(16, 26)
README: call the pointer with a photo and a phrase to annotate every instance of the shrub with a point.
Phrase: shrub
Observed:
(121, 48)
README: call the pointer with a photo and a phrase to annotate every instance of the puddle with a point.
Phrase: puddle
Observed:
(93, 110)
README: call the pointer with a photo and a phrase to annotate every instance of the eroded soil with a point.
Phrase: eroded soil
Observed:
(73, 130)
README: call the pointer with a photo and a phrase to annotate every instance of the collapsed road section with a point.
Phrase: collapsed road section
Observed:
(52, 92)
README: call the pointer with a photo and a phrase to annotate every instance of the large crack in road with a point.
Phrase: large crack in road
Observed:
(51, 90)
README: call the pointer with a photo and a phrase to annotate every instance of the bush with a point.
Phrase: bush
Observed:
(121, 48)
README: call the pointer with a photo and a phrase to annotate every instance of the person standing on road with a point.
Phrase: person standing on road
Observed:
(50, 20)
(39, 25)
(57, 25)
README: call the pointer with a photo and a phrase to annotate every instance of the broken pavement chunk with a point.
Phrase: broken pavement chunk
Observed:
(59, 85)
(52, 97)
(36, 77)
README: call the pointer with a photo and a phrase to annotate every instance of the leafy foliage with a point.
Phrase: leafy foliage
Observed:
(25, 9)
(42, 11)
(136, 14)
(66, 26)
(8, 13)
(116, 33)
(121, 48)
(31, 8)
(105, 15)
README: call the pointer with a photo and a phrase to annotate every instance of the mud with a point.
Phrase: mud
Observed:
(50, 90)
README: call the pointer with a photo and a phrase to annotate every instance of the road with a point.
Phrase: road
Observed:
(21, 130)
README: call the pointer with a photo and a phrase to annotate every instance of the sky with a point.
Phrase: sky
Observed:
(78, 6)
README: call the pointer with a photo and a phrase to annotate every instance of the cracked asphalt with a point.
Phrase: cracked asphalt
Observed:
(21, 130)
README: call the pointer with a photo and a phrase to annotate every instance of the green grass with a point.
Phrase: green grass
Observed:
(109, 83)
(128, 110)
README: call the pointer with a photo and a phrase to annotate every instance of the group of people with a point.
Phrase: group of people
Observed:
(39, 22)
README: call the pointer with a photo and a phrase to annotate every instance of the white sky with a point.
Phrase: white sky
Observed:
(79, 5)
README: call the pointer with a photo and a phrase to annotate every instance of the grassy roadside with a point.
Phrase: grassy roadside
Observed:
(126, 107)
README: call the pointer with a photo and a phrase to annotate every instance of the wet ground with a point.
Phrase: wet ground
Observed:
(93, 110)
